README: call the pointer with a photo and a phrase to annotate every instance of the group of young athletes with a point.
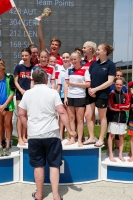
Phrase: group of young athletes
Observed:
(84, 79)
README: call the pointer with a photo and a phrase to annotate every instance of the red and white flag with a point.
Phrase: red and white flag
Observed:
(6, 5)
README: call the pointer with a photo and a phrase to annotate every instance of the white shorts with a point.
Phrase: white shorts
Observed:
(116, 128)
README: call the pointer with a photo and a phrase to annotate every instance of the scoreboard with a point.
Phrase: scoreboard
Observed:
(73, 22)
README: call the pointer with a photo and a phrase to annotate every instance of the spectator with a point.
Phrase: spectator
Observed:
(43, 131)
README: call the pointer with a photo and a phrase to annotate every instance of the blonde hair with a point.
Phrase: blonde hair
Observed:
(92, 45)
(56, 40)
(78, 54)
(52, 57)
(43, 51)
(120, 78)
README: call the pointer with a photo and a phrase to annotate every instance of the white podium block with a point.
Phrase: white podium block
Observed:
(116, 171)
(9, 167)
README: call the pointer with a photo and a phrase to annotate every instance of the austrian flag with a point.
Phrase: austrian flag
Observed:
(6, 5)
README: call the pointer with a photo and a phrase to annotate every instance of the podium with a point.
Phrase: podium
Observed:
(79, 164)
(116, 171)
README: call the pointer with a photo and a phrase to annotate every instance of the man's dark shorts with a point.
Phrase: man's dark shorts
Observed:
(42, 149)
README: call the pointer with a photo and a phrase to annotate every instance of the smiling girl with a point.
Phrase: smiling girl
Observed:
(22, 81)
(61, 82)
(43, 57)
(118, 104)
(76, 82)
(102, 74)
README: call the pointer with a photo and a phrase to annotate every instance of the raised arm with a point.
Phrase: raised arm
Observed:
(40, 37)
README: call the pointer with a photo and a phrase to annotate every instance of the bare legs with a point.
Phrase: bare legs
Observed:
(6, 126)
(21, 131)
(89, 113)
(131, 147)
(103, 121)
(80, 123)
(121, 145)
(54, 179)
(90, 110)
(76, 114)
(2, 129)
(39, 179)
(110, 139)
(71, 114)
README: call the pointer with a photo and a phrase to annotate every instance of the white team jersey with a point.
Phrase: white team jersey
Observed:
(50, 72)
(78, 76)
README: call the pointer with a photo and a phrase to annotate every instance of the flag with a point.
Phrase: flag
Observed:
(6, 5)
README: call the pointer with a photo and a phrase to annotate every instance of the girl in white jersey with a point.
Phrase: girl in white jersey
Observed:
(43, 57)
(76, 82)
(61, 82)
(52, 62)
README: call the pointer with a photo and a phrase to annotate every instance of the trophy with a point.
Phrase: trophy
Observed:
(46, 13)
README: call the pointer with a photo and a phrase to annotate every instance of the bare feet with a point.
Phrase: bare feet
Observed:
(21, 142)
(112, 159)
(130, 159)
(68, 138)
(25, 140)
(122, 159)
(80, 144)
(71, 141)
